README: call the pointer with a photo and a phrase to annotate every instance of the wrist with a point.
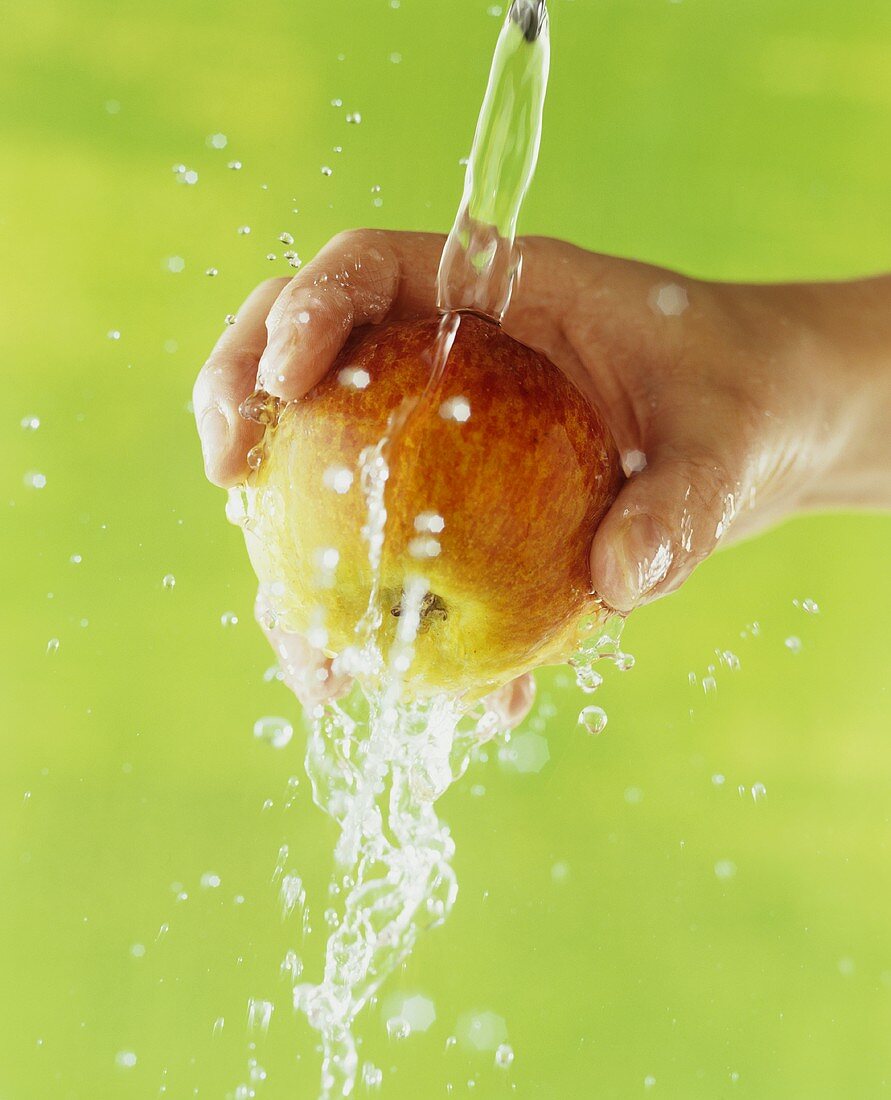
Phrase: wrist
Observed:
(848, 351)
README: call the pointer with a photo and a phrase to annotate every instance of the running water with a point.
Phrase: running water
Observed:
(379, 761)
(479, 262)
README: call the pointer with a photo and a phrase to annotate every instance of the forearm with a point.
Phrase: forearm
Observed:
(831, 344)
(853, 326)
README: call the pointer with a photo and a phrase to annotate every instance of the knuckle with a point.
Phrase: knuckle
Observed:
(354, 240)
(273, 283)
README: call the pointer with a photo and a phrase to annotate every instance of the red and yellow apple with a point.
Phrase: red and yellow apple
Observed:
(499, 473)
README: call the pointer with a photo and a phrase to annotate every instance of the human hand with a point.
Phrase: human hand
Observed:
(727, 401)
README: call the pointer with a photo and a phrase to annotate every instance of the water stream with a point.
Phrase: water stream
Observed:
(378, 762)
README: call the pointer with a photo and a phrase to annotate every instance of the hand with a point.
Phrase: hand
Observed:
(733, 406)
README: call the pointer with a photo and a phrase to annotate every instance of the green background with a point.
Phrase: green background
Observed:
(745, 140)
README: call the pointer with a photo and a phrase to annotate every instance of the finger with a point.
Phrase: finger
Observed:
(673, 514)
(305, 670)
(228, 376)
(512, 702)
(360, 277)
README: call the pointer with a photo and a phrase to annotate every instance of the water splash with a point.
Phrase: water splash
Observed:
(378, 779)
(379, 761)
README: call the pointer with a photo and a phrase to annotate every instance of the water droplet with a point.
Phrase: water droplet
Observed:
(30, 423)
(725, 869)
(633, 796)
(259, 1015)
(338, 478)
(176, 264)
(398, 1028)
(633, 462)
(424, 547)
(811, 607)
(484, 1031)
(793, 643)
(586, 676)
(354, 117)
(231, 318)
(52, 646)
(560, 872)
(260, 407)
(217, 141)
(244, 230)
(372, 1076)
(168, 581)
(35, 480)
(354, 377)
(649, 1081)
(526, 753)
(273, 729)
(504, 1056)
(125, 1059)
(286, 238)
(759, 791)
(210, 881)
(234, 165)
(430, 521)
(228, 618)
(112, 106)
(185, 175)
(669, 300)
(718, 779)
(326, 171)
(593, 719)
(327, 558)
(218, 1025)
(455, 408)
(291, 966)
(624, 662)
(255, 456)
(846, 966)
(709, 685)
(137, 950)
(395, 58)
(212, 272)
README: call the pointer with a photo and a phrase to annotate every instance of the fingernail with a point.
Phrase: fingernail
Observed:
(639, 561)
(213, 431)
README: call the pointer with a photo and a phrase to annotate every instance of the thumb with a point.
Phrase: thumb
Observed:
(667, 518)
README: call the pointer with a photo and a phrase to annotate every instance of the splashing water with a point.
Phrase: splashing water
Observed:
(378, 779)
(379, 761)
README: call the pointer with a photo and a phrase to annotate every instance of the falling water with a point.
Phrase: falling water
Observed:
(378, 763)
(480, 262)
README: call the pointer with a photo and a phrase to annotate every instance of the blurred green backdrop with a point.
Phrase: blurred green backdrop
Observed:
(638, 924)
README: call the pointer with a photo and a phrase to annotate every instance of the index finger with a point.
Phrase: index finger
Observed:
(361, 276)
(225, 380)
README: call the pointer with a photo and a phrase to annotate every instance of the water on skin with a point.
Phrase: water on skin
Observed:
(378, 765)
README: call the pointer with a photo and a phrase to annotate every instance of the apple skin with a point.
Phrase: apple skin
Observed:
(521, 485)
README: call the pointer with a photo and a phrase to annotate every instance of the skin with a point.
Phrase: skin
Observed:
(736, 406)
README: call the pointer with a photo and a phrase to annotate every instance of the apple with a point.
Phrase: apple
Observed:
(499, 472)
